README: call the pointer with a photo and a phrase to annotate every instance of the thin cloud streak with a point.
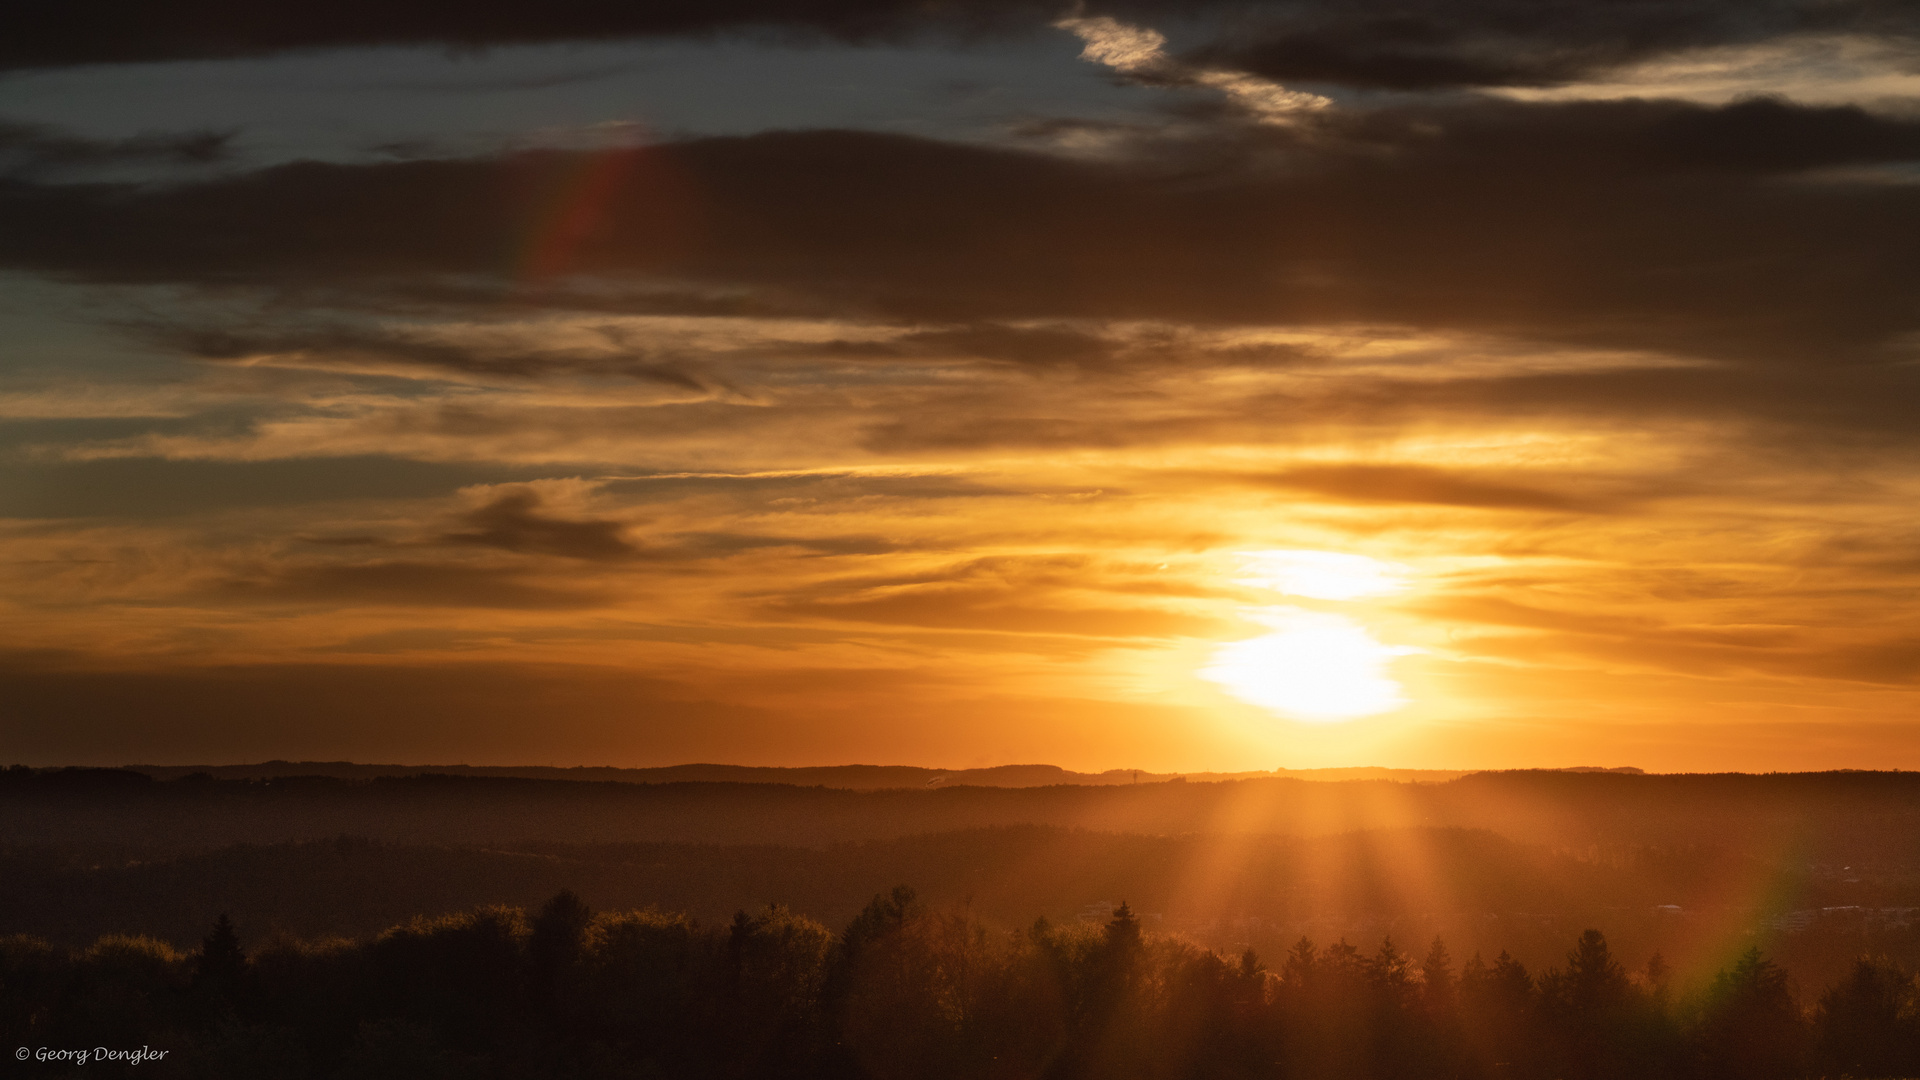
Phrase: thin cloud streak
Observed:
(1141, 53)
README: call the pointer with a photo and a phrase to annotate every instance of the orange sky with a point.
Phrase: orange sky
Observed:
(1505, 444)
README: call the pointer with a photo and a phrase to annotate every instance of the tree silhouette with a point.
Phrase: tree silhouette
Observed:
(1595, 983)
(1751, 1024)
(1498, 1015)
(555, 941)
(885, 914)
(1868, 1024)
(1658, 977)
(218, 970)
(1300, 965)
(1437, 983)
(1123, 933)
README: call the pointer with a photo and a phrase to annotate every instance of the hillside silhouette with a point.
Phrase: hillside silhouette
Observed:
(1855, 817)
(852, 777)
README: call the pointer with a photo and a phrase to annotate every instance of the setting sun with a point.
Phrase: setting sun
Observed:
(1315, 667)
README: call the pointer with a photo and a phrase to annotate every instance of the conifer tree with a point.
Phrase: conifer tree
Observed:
(1437, 983)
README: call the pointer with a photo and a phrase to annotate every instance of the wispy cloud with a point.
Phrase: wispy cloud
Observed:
(1141, 53)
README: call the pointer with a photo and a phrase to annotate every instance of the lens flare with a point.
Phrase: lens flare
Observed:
(1317, 667)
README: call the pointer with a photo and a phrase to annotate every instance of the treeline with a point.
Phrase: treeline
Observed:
(1478, 890)
(908, 991)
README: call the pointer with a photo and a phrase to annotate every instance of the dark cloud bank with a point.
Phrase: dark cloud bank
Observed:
(28, 149)
(47, 33)
(1743, 233)
(1437, 44)
(1642, 224)
(1393, 44)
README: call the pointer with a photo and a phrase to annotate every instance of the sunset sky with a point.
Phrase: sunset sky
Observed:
(1438, 384)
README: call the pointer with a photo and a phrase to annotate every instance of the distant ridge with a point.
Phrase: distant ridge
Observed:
(848, 777)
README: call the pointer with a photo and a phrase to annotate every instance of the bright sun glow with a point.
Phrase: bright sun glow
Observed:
(1315, 666)
(1322, 575)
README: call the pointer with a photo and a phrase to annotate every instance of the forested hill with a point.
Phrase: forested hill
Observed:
(1843, 818)
(852, 777)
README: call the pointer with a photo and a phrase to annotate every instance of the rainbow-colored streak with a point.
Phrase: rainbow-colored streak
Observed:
(1763, 877)
(622, 197)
